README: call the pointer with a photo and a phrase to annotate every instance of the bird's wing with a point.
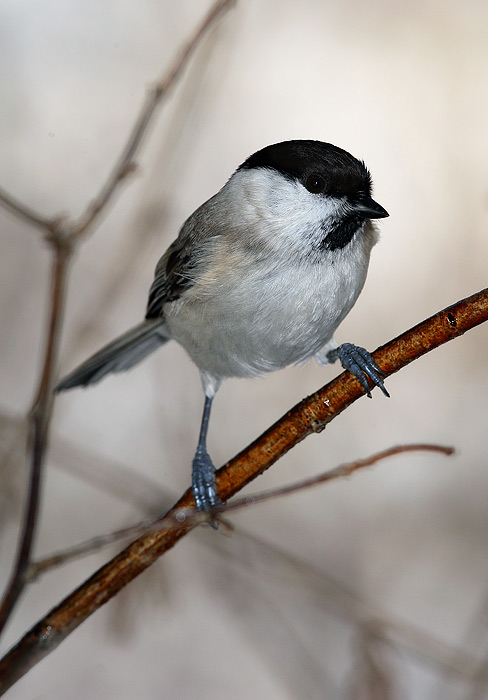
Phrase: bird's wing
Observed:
(179, 268)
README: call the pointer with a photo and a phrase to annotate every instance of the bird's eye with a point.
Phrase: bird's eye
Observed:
(315, 183)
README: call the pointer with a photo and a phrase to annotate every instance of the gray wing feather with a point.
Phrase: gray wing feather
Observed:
(174, 274)
(183, 262)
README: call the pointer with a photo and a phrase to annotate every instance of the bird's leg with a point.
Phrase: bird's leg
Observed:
(203, 474)
(360, 363)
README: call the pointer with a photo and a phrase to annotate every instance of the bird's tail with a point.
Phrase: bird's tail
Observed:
(125, 351)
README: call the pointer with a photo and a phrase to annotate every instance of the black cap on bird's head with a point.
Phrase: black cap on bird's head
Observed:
(322, 169)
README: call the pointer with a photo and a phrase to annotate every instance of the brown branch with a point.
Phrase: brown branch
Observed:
(155, 97)
(309, 416)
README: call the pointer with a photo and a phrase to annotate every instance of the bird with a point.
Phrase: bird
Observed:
(259, 277)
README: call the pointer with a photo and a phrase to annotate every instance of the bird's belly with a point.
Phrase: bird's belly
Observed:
(245, 332)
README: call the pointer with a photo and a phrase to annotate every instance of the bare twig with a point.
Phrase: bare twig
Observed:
(23, 211)
(155, 97)
(337, 473)
(309, 416)
(39, 420)
(94, 544)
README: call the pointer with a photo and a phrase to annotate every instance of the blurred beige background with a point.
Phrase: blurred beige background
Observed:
(403, 86)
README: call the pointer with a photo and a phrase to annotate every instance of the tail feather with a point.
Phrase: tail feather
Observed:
(124, 352)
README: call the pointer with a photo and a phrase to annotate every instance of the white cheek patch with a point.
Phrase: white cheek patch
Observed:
(282, 210)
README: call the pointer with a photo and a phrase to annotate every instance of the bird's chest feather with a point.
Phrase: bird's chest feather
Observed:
(263, 318)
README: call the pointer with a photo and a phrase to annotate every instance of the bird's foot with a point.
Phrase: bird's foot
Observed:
(360, 363)
(203, 483)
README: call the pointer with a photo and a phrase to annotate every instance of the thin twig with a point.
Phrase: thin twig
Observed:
(341, 471)
(39, 421)
(23, 211)
(309, 416)
(155, 97)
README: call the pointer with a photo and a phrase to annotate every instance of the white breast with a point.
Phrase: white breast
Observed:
(257, 321)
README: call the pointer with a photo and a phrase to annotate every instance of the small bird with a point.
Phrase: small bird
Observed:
(259, 277)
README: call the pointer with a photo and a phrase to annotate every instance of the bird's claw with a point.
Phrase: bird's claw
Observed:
(360, 363)
(204, 485)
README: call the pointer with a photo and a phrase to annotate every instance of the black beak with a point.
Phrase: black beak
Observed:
(367, 208)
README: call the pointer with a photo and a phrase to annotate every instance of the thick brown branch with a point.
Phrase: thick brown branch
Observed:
(309, 416)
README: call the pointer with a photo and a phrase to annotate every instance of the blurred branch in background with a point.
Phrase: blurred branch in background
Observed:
(63, 235)
(39, 423)
(309, 416)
